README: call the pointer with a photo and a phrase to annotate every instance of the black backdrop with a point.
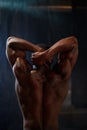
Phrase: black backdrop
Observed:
(40, 26)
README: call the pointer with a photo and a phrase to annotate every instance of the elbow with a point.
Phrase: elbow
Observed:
(9, 42)
(75, 40)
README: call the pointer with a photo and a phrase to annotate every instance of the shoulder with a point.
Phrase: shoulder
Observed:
(63, 69)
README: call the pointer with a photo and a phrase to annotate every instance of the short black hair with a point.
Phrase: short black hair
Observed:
(44, 46)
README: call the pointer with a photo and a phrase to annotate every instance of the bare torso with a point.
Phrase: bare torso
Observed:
(42, 91)
(40, 96)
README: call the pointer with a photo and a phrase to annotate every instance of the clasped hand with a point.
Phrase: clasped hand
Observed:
(40, 58)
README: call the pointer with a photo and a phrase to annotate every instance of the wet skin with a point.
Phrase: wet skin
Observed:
(41, 91)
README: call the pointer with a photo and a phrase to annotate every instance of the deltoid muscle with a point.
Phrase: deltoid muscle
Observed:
(41, 88)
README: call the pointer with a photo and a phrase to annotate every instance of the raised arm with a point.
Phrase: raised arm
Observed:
(68, 47)
(21, 44)
(69, 44)
(16, 47)
(63, 45)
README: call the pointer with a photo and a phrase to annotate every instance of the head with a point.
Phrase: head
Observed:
(44, 47)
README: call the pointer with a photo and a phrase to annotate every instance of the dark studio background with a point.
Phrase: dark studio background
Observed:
(37, 22)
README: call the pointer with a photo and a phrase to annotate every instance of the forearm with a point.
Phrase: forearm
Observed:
(23, 45)
(63, 45)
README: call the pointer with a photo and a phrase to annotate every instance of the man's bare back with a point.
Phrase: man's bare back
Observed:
(41, 91)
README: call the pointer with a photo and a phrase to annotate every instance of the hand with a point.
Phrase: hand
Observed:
(39, 58)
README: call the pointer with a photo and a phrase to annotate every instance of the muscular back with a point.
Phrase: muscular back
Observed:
(41, 91)
(40, 94)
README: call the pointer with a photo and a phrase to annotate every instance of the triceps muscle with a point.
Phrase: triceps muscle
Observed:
(73, 55)
(13, 54)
